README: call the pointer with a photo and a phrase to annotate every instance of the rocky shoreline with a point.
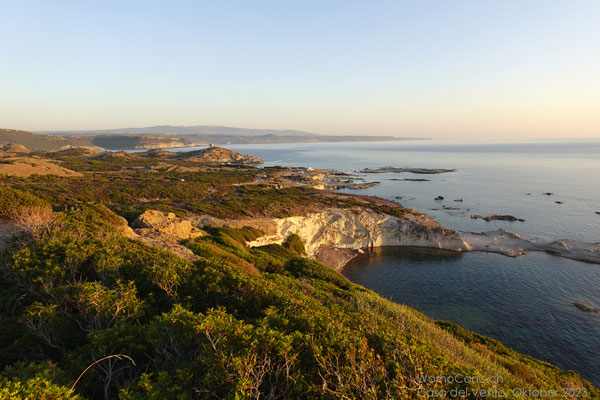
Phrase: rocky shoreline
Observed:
(335, 236)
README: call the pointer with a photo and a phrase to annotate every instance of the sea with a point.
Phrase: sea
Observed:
(525, 302)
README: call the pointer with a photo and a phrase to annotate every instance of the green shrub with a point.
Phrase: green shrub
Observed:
(295, 244)
(211, 329)
(306, 268)
(34, 381)
(12, 200)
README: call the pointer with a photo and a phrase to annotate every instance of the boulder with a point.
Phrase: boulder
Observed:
(166, 223)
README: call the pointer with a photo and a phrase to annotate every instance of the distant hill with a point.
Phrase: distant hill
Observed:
(168, 137)
(227, 134)
(204, 130)
(37, 142)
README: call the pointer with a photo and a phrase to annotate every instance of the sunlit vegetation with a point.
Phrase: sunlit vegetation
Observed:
(239, 322)
(224, 192)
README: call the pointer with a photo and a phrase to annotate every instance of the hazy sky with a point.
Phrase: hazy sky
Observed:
(444, 69)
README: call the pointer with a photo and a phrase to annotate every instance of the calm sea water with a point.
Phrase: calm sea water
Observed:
(525, 302)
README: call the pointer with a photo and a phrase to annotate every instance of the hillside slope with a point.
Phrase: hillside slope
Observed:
(40, 142)
(238, 322)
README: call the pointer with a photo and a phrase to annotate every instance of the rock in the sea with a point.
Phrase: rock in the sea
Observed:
(498, 241)
(458, 200)
(598, 212)
(431, 171)
(411, 180)
(503, 217)
(585, 308)
(558, 202)
(439, 198)
(548, 194)
(400, 197)
(476, 216)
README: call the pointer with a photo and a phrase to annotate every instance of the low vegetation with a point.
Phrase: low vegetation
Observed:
(223, 192)
(237, 323)
(26, 211)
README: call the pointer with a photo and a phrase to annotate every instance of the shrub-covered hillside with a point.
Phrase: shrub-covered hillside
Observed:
(238, 323)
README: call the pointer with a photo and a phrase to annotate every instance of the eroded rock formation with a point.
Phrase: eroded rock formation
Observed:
(166, 231)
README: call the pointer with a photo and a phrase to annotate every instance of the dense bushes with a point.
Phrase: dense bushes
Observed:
(294, 243)
(223, 193)
(292, 328)
(12, 199)
(42, 381)
(305, 268)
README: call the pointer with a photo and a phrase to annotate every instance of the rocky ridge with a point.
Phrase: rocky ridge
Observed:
(164, 230)
(219, 155)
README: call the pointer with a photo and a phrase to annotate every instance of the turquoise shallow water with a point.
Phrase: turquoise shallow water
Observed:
(525, 302)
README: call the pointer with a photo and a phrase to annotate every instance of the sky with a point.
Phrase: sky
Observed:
(480, 69)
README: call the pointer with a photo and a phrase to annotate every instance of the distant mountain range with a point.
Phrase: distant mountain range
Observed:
(184, 130)
(170, 137)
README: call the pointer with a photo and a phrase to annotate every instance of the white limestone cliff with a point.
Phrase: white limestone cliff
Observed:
(357, 229)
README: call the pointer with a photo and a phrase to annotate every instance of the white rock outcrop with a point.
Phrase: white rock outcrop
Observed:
(513, 245)
(336, 228)
(357, 229)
